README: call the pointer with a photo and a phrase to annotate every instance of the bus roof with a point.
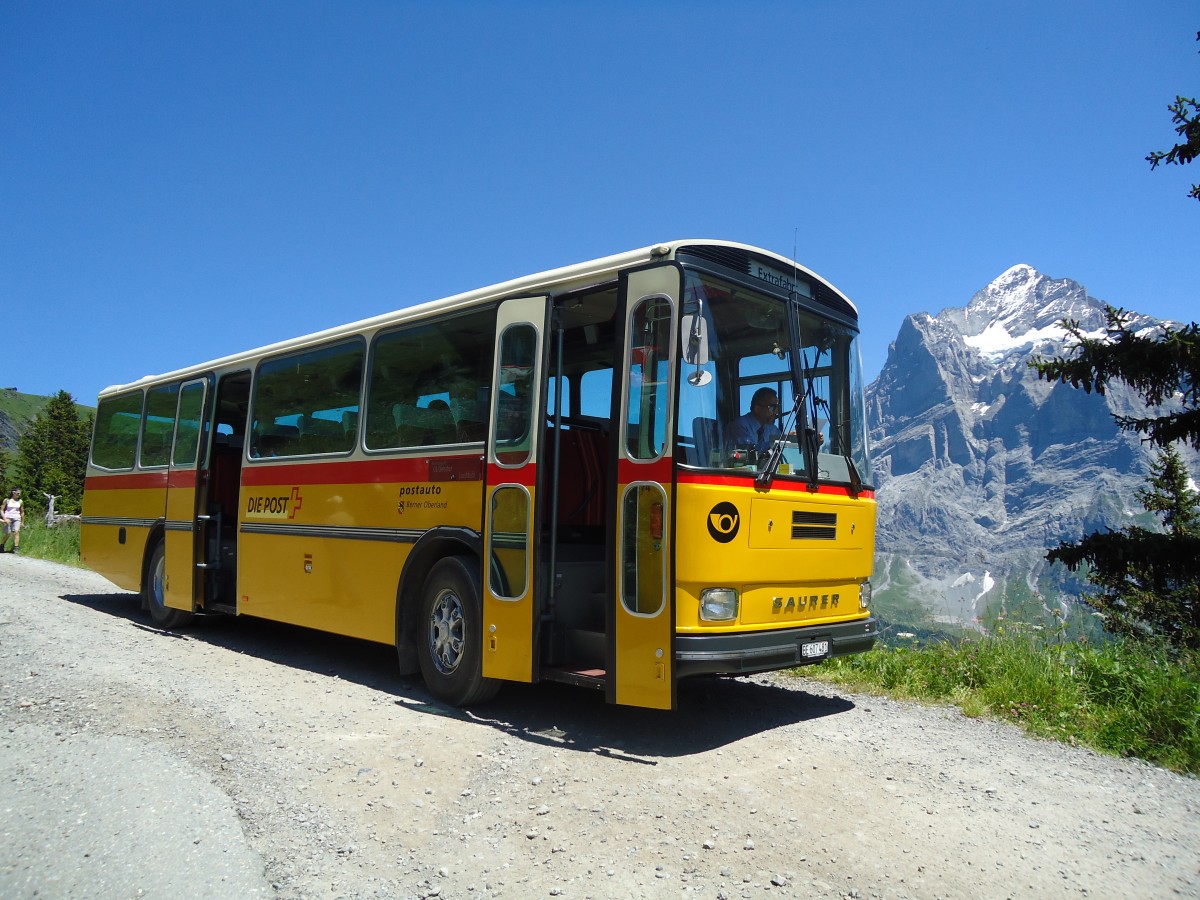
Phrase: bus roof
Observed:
(574, 276)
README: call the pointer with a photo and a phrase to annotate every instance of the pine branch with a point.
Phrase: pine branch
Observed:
(1163, 431)
(1185, 115)
(1162, 368)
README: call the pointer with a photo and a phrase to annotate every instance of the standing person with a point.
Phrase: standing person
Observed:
(757, 429)
(13, 514)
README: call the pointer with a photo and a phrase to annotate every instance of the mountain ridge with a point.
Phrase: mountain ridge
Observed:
(17, 412)
(981, 465)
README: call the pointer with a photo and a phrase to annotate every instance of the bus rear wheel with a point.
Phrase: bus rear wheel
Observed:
(450, 645)
(154, 593)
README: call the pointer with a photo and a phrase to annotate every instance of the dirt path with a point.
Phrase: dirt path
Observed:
(246, 759)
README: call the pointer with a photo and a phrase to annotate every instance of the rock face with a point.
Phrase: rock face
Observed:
(980, 465)
(9, 434)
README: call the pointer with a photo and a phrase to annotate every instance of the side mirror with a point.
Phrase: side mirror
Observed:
(694, 338)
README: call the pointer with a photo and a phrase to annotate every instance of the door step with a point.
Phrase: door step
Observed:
(593, 678)
(229, 609)
(584, 649)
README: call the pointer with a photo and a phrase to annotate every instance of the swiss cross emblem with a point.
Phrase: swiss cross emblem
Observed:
(296, 502)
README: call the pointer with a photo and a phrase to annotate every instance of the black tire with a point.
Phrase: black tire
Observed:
(450, 635)
(154, 594)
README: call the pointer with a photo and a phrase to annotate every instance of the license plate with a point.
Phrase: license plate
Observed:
(814, 649)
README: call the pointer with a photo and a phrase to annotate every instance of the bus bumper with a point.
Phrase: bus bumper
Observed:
(762, 651)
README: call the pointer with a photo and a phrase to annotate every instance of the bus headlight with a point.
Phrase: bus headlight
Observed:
(864, 597)
(718, 604)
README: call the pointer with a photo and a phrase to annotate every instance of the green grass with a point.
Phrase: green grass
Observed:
(60, 544)
(1122, 698)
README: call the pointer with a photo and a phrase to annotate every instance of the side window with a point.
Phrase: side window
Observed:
(643, 563)
(187, 424)
(763, 370)
(595, 393)
(307, 403)
(429, 383)
(514, 409)
(648, 402)
(158, 425)
(115, 437)
(509, 540)
(554, 387)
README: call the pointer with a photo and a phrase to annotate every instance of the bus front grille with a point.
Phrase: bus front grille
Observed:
(813, 526)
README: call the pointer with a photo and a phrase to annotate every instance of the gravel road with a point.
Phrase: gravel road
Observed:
(246, 759)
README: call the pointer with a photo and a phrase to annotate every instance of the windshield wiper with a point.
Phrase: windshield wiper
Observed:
(855, 478)
(811, 439)
(802, 380)
(771, 466)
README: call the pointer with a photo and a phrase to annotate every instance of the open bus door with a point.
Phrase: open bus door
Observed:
(642, 607)
(184, 536)
(510, 614)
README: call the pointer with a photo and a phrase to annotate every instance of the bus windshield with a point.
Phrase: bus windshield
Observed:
(739, 405)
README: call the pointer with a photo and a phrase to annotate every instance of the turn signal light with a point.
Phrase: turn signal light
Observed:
(864, 597)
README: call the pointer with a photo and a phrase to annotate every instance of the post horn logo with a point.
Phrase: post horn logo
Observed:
(723, 522)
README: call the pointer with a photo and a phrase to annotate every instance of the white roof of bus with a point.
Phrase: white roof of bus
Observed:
(592, 270)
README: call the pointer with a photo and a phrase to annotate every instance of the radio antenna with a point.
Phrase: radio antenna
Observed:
(795, 265)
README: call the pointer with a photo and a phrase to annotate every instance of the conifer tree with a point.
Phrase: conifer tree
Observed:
(52, 455)
(1149, 581)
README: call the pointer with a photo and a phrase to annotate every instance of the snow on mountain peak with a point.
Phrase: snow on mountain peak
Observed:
(1019, 272)
(995, 341)
(1012, 292)
(1020, 310)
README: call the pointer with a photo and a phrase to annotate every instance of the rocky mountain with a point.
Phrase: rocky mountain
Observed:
(981, 466)
(9, 433)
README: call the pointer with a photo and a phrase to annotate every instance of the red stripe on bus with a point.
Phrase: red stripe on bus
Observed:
(129, 482)
(776, 485)
(372, 471)
(659, 470)
(526, 475)
(182, 479)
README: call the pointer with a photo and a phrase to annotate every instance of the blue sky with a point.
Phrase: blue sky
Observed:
(183, 180)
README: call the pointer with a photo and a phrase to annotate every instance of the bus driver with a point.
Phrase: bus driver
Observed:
(757, 429)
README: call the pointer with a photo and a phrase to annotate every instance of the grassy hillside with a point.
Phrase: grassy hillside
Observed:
(1118, 697)
(17, 410)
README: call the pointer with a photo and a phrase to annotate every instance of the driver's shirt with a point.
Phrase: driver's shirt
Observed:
(747, 431)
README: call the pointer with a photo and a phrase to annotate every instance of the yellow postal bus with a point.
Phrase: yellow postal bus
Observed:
(550, 478)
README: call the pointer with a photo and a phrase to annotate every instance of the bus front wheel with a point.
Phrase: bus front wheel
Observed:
(450, 647)
(154, 593)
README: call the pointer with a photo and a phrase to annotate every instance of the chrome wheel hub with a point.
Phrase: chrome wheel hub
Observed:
(446, 629)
